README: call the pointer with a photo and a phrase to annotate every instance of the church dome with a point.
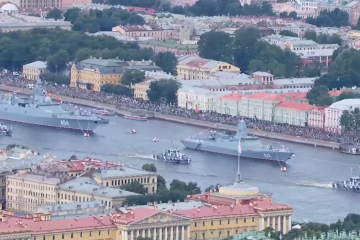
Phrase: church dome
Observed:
(9, 7)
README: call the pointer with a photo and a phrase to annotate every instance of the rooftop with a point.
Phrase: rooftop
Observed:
(346, 104)
(121, 172)
(36, 178)
(88, 186)
(168, 206)
(295, 105)
(134, 215)
(198, 62)
(172, 44)
(37, 64)
(18, 224)
(49, 208)
(232, 96)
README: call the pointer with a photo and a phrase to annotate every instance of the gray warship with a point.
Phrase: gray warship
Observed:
(40, 110)
(222, 143)
(351, 184)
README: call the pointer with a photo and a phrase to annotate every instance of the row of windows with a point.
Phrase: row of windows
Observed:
(54, 237)
(228, 221)
(30, 186)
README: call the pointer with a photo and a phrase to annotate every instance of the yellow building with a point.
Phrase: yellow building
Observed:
(93, 73)
(84, 189)
(236, 208)
(117, 177)
(33, 70)
(140, 89)
(42, 227)
(26, 191)
(195, 67)
(151, 223)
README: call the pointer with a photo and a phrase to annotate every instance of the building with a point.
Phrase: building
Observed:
(26, 191)
(334, 111)
(291, 112)
(33, 70)
(229, 104)
(195, 67)
(120, 176)
(352, 8)
(41, 226)
(11, 20)
(171, 45)
(151, 223)
(182, 2)
(85, 189)
(93, 73)
(157, 32)
(316, 117)
(71, 210)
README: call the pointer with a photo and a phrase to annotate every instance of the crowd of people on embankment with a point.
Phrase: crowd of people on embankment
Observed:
(350, 137)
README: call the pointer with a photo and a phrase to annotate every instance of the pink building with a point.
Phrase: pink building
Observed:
(316, 117)
(151, 31)
(183, 2)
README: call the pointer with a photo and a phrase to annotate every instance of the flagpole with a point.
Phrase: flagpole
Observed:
(238, 176)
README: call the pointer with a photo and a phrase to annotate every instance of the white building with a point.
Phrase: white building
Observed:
(334, 112)
(290, 112)
(229, 104)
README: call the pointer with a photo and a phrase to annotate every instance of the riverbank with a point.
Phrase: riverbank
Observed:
(159, 116)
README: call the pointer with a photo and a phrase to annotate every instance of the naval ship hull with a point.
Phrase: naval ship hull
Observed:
(263, 155)
(341, 186)
(55, 122)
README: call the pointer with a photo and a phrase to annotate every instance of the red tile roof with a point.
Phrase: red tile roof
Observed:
(232, 96)
(336, 93)
(18, 224)
(133, 215)
(295, 105)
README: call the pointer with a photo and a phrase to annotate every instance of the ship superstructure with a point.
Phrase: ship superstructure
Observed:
(40, 110)
(222, 143)
(351, 184)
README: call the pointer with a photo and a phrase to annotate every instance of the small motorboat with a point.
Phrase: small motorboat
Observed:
(5, 130)
(135, 117)
(133, 131)
(173, 156)
(103, 112)
(283, 169)
(86, 135)
(155, 139)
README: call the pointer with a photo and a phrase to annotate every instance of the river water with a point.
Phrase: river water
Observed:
(306, 185)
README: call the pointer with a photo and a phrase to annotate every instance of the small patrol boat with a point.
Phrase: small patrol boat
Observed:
(173, 156)
(351, 184)
(5, 130)
(135, 117)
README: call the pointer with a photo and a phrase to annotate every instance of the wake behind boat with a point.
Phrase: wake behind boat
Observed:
(135, 117)
(40, 110)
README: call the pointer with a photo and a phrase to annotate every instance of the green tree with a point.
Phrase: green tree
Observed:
(167, 61)
(348, 59)
(161, 183)
(216, 45)
(72, 15)
(310, 35)
(55, 14)
(149, 167)
(117, 89)
(179, 10)
(132, 76)
(58, 62)
(311, 71)
(58, 79)
(283, 15)
(189, 188)
(319, 95)
(335, 18)
(288, 33)
(135, 187)
(293, 15)
(164, 89)
(348, 95)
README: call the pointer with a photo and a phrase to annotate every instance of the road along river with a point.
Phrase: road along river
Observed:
(305, 186)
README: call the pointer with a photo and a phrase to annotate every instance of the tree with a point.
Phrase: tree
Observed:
(167, 61)
(215, 45)
(149, 167)
(117, 89)
(348, 59)
(53, 78)
(161, 183)
(72, 15)
(310, 35)
(329, 39)
(179, 10)
(163, 90)
(319, 95)
(293, 15)
(55, 14)
(135, 187)
(348, 95)
(311, 71)
(58, 62)
(132, 76)
(283, 14)
(190, 188)
(288, 33)
(335, 18)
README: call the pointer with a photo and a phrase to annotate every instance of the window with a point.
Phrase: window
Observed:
(62, 236)
(195, 224)
(244, 220)
(236, 220)
(53, 237)
(253, 219)
(44, 238)
(228, 221)
(99, 232)
(80, 234)
(72, 235)
(108, 231)
(219, 222)
(212, 223)
(90, 233)
(203, 223)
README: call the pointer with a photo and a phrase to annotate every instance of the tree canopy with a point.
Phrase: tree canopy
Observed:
(149, 167)
(135, 187)
(132, 76)
(117, 89)
(323, 38)
(167, 61)
(335, 18)
(60, 46)
(58, 79)
(164, 90)
(288, 33)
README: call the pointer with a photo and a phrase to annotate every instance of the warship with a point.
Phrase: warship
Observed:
(39, 110)
(173, 156)
(351, 184)
(248, 146)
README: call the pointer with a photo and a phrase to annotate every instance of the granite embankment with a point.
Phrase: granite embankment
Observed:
(182, 120)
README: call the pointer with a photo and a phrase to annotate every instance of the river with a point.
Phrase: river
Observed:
(306, 185)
